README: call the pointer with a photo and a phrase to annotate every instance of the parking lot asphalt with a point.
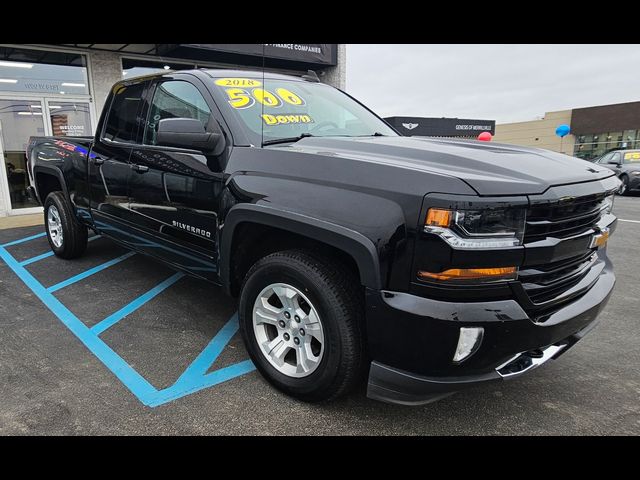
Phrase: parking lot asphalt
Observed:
(179, 373)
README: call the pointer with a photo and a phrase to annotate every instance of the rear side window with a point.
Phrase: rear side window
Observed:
(122, 120)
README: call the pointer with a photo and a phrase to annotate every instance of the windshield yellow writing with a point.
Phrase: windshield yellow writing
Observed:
(286, 119)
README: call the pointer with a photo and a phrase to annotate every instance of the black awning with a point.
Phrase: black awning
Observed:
(308, 54)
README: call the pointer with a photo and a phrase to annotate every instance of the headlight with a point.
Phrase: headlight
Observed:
(637, 172)
(477, 229)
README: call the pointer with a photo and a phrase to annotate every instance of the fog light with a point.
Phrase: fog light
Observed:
(468, 342)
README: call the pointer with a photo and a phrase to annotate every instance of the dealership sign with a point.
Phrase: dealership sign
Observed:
(313, 53)
(441, 127)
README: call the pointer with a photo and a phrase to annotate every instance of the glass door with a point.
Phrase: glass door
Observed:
(19, 120)
(69, 118)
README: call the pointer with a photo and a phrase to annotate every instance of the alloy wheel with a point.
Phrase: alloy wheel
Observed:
(288, 330)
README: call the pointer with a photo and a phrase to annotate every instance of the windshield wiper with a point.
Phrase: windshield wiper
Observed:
(286, 140)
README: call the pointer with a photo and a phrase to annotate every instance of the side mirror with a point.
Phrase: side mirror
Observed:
(613, 162)
(189, 133)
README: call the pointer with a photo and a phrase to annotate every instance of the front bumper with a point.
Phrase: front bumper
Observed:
(412, 340)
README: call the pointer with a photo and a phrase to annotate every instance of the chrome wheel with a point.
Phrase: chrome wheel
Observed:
(288, 330)
(54, 224)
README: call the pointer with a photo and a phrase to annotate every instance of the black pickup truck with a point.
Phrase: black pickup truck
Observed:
(427, 264)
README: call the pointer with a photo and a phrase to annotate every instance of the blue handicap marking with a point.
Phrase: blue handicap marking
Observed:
(26, 239)
(195, 376)
(87, 273)
(44, 255)
(135, 304)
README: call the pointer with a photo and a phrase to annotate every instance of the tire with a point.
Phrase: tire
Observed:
(624, 188)
(73, 241)
(334, 294)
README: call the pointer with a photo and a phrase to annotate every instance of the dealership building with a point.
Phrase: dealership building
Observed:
(594, 130)
(441, 127)
(60, 89)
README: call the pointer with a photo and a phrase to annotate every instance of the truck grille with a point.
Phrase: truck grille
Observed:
(544, 283)
(563, 219)
(549, 284)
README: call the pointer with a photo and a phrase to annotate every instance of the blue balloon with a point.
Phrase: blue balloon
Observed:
(563, 130)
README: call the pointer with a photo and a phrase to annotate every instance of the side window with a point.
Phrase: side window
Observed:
(615, 158)
(122, 122)
(175, 99)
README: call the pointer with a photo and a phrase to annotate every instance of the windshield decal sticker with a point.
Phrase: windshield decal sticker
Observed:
(286, 119)
(241, 98)
(238, 82)
(266, 98)
(290, 97)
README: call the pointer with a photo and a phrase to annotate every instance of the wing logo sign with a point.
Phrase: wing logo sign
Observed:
(410, 126)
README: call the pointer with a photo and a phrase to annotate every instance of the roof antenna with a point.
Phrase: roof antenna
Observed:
(311, 76)
(262, 103)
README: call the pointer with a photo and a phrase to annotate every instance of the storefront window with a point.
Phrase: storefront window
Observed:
(42, 92)
(19, 120)
(43, 72)
(70, 119)
(596, 145)
(629, 138)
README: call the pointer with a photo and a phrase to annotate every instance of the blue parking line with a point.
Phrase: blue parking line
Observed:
(177, 391)
(26, 239)
(206, 358)
(88, 273)
(115, 317)
(192, 380)
(195, 377)
(37, 258)
(120, 368)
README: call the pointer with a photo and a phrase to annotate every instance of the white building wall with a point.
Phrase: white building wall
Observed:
(106, 69)
(337, 76)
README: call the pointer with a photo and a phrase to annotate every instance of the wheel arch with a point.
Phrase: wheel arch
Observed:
(41, 174)
(358, 247)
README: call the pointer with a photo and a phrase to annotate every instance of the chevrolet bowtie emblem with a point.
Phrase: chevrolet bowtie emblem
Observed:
(599, 239)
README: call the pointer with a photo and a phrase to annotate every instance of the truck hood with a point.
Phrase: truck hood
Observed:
(488, 168)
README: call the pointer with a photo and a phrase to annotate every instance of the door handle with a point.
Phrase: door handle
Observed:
(140, 168)
(98, 161)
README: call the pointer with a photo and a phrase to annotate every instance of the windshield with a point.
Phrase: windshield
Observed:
(281, 109)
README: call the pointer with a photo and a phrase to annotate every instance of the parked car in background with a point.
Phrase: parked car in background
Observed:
(626, 164)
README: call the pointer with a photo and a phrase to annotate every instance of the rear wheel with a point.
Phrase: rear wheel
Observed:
(300, 318)
(67, 238)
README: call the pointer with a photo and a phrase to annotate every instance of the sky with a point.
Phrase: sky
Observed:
(506, 83)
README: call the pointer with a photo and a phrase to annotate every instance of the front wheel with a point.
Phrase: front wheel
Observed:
(624, 188)
(301, 319)
(67, 238)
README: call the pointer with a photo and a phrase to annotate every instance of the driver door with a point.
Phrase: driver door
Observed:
(173, 192)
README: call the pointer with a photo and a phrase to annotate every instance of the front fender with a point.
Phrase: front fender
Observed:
(355, 244)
